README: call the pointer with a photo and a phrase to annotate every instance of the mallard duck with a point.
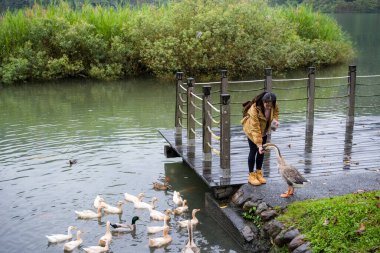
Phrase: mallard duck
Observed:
(289, 173)
(177, 199)
(97, 249)
(155, 229)
(181, 209)
(89, 214)
(107, 236)
(194, 220)
(70, 246)
(190, 247)
(113, 209)
(144, 205)
(160, 186)
(157, 215)
(131, 198)
(54, 238)
(125, 228)
(161, 241)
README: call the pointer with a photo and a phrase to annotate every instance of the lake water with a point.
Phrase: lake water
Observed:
(111, 129)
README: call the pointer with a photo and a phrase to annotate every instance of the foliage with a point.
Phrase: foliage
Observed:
(251, 216)
(349, 223)
(199, 37)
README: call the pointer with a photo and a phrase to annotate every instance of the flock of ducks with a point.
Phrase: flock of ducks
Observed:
(102, 207)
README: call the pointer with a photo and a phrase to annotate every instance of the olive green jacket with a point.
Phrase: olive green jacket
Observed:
(255, 122)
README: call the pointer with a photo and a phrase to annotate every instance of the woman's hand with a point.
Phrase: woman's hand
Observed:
(261, 150)
(274, 124)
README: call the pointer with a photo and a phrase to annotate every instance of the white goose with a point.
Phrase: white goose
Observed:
(89, 214)
(97, 249)
(155, 229)
(114, 209)
(177, 199)
(107, 236)
(194, 220)
(190, 247)
(54, 238)
(70, 246)
(132, 198)
(181, 209)
(144, 205)
(161, 241)
(157, 215)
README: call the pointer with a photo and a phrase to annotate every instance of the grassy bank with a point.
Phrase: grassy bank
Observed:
(349, 223)
(198, 37)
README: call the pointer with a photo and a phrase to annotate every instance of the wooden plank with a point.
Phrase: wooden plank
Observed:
(332, 151)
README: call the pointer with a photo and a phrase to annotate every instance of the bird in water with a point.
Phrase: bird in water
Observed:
(54, 238)
(161, 186)
(289, 173)
(71, 245)
(190, 247)
(72, 162)
(125, 228)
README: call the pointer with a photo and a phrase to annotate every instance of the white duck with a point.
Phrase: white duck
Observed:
(155, 229)
(181, 209)
(107, 236)
(194, 220)
(161, 241)
(114, 209)
(190, 247)
(70, 246)
(97, 201)
(177, 199)
(89, 214)
(132, 198)
(61, 237)
(97, 249)
(142, 205)
(157, 215)
(125, 228)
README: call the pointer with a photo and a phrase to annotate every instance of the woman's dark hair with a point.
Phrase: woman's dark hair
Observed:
(259, 100)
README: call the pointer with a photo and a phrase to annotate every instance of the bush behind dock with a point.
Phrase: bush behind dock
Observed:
(199, 37)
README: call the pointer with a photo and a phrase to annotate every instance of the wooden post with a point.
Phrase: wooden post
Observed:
(268, 79)
(225, 134)
(351, 92)
(190, 113)
(309, 119)
(178, 104)
(206, 112)
(223, 82)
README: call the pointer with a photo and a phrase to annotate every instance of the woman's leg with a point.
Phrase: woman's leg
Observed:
(252, 155)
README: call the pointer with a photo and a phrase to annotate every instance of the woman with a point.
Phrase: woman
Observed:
(260, 115)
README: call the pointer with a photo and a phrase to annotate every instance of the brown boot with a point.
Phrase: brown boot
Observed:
(260, 176)
(252, 179)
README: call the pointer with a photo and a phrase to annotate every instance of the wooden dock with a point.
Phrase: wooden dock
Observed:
(335, 147)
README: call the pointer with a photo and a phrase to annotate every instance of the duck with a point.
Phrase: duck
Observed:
(131, 198)
(194, 220)
(97, 201)
(97, 249)
(289, 173)
(181, 209)
(177, 199)
(160, 186)
(125, 228)
(54, 238)
(156, 229)
(161, 241)
(107, 236)
(72, 162)
(144, 205)
(190, 247)
(70, 246)
(89, 214)
(157, 215)
(114, 209)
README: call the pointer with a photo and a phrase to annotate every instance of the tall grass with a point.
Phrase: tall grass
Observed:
(196, 36)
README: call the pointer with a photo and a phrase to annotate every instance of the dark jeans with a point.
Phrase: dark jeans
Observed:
(255, 156)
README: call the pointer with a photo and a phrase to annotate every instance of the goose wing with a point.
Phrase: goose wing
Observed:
(292, 175)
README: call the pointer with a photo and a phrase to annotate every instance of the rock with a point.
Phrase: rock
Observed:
(304, 248)
(240, 196)
(273, 228)
(261, 207)
(247, 233)
(285, 236)
(291, 234)
(268, 215)
(296, 242)
(249, 204)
